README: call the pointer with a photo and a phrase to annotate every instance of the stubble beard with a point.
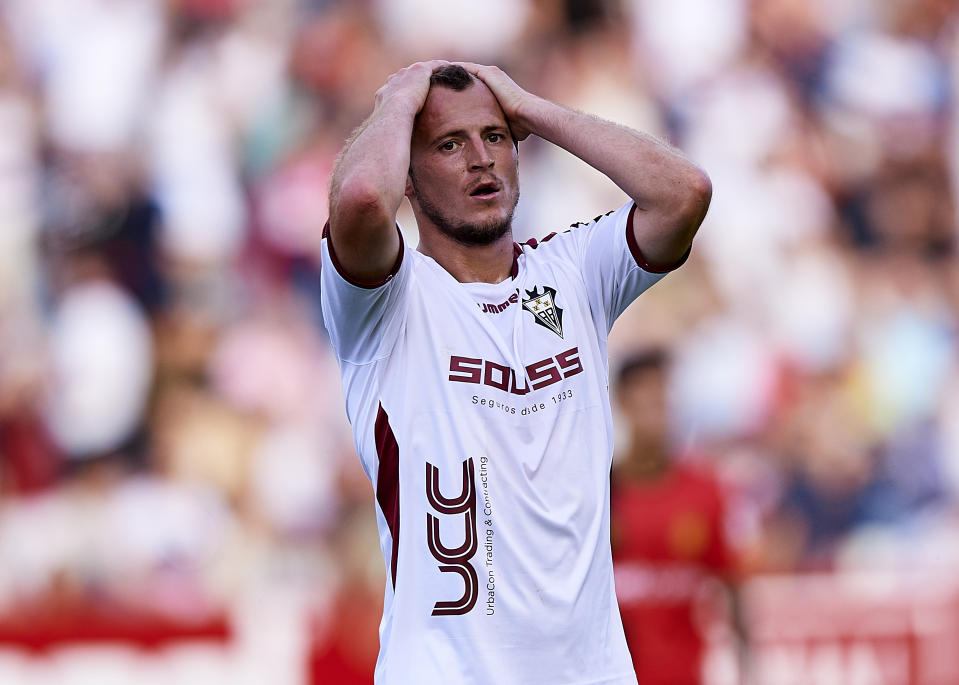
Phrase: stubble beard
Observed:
(463, 232)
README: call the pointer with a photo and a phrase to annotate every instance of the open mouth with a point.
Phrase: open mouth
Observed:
(485, 190)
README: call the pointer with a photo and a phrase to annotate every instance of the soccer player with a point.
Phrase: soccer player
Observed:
(475, 372)
(669, 533)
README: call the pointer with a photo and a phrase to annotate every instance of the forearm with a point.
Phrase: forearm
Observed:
(671, 193)
(646, 169)
(369, 177)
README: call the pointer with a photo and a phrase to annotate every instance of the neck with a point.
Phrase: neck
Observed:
(491, 263)
(646, 460)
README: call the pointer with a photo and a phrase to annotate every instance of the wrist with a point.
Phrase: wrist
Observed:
(402, 106)
(535, 113)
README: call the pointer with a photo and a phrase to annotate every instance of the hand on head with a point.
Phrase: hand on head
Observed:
(410, 84)
(510, 96)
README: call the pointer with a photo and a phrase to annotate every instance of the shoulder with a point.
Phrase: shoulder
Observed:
(574, 229)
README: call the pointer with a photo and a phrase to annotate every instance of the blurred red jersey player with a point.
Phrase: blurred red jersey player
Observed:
(669, 535)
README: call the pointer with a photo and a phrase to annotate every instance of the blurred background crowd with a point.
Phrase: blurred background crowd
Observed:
(173, 443)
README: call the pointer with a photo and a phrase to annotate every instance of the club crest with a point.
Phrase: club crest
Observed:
(542, 305)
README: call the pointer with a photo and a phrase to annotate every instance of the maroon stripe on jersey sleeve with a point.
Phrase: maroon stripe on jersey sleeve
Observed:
(638, 255)
(517, 251)
(388, 480)
(360, 283)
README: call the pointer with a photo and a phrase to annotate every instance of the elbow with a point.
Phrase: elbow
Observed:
(359, 196)
(691, 203)
(359, 199)
(699, 195)
(701, 185)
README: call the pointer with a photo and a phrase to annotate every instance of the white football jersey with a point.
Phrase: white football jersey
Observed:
(481, 415)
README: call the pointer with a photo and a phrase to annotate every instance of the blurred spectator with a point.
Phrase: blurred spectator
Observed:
(101, 356)
(96, 61)
(831, 479)
(671, 536)
(346, 640)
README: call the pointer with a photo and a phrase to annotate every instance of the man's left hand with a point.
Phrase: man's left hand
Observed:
(515, 101)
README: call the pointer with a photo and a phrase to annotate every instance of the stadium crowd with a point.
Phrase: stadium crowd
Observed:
(172, 432)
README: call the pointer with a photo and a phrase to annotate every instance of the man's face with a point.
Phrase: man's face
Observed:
(643, 400)
(463, 165)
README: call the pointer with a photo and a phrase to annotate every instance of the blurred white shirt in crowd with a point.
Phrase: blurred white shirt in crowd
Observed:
(685, 42)
(427, 28)
(193, 162)
(102, 368)
(723, 381)
(97, 60)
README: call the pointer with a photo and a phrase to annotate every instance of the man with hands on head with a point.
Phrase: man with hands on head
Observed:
(475, 371)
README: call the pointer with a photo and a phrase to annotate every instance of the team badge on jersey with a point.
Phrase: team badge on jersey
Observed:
(542, 305)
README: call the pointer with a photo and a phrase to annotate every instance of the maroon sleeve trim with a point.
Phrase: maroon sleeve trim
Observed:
(361, 283)
(638, 254)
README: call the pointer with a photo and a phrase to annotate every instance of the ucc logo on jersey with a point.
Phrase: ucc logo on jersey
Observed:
(454, 559)
(544, 310)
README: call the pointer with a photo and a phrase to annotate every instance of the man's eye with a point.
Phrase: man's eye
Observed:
(448, 146)
(495, 137)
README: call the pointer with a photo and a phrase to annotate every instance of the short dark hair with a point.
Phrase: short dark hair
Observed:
(451, 76)
(648, 359)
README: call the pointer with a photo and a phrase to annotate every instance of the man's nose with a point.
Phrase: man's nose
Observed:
(480, 157)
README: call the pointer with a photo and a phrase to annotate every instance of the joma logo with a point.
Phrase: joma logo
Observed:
(454, 560)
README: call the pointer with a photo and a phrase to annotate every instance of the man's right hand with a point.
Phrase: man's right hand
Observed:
(409, 86)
